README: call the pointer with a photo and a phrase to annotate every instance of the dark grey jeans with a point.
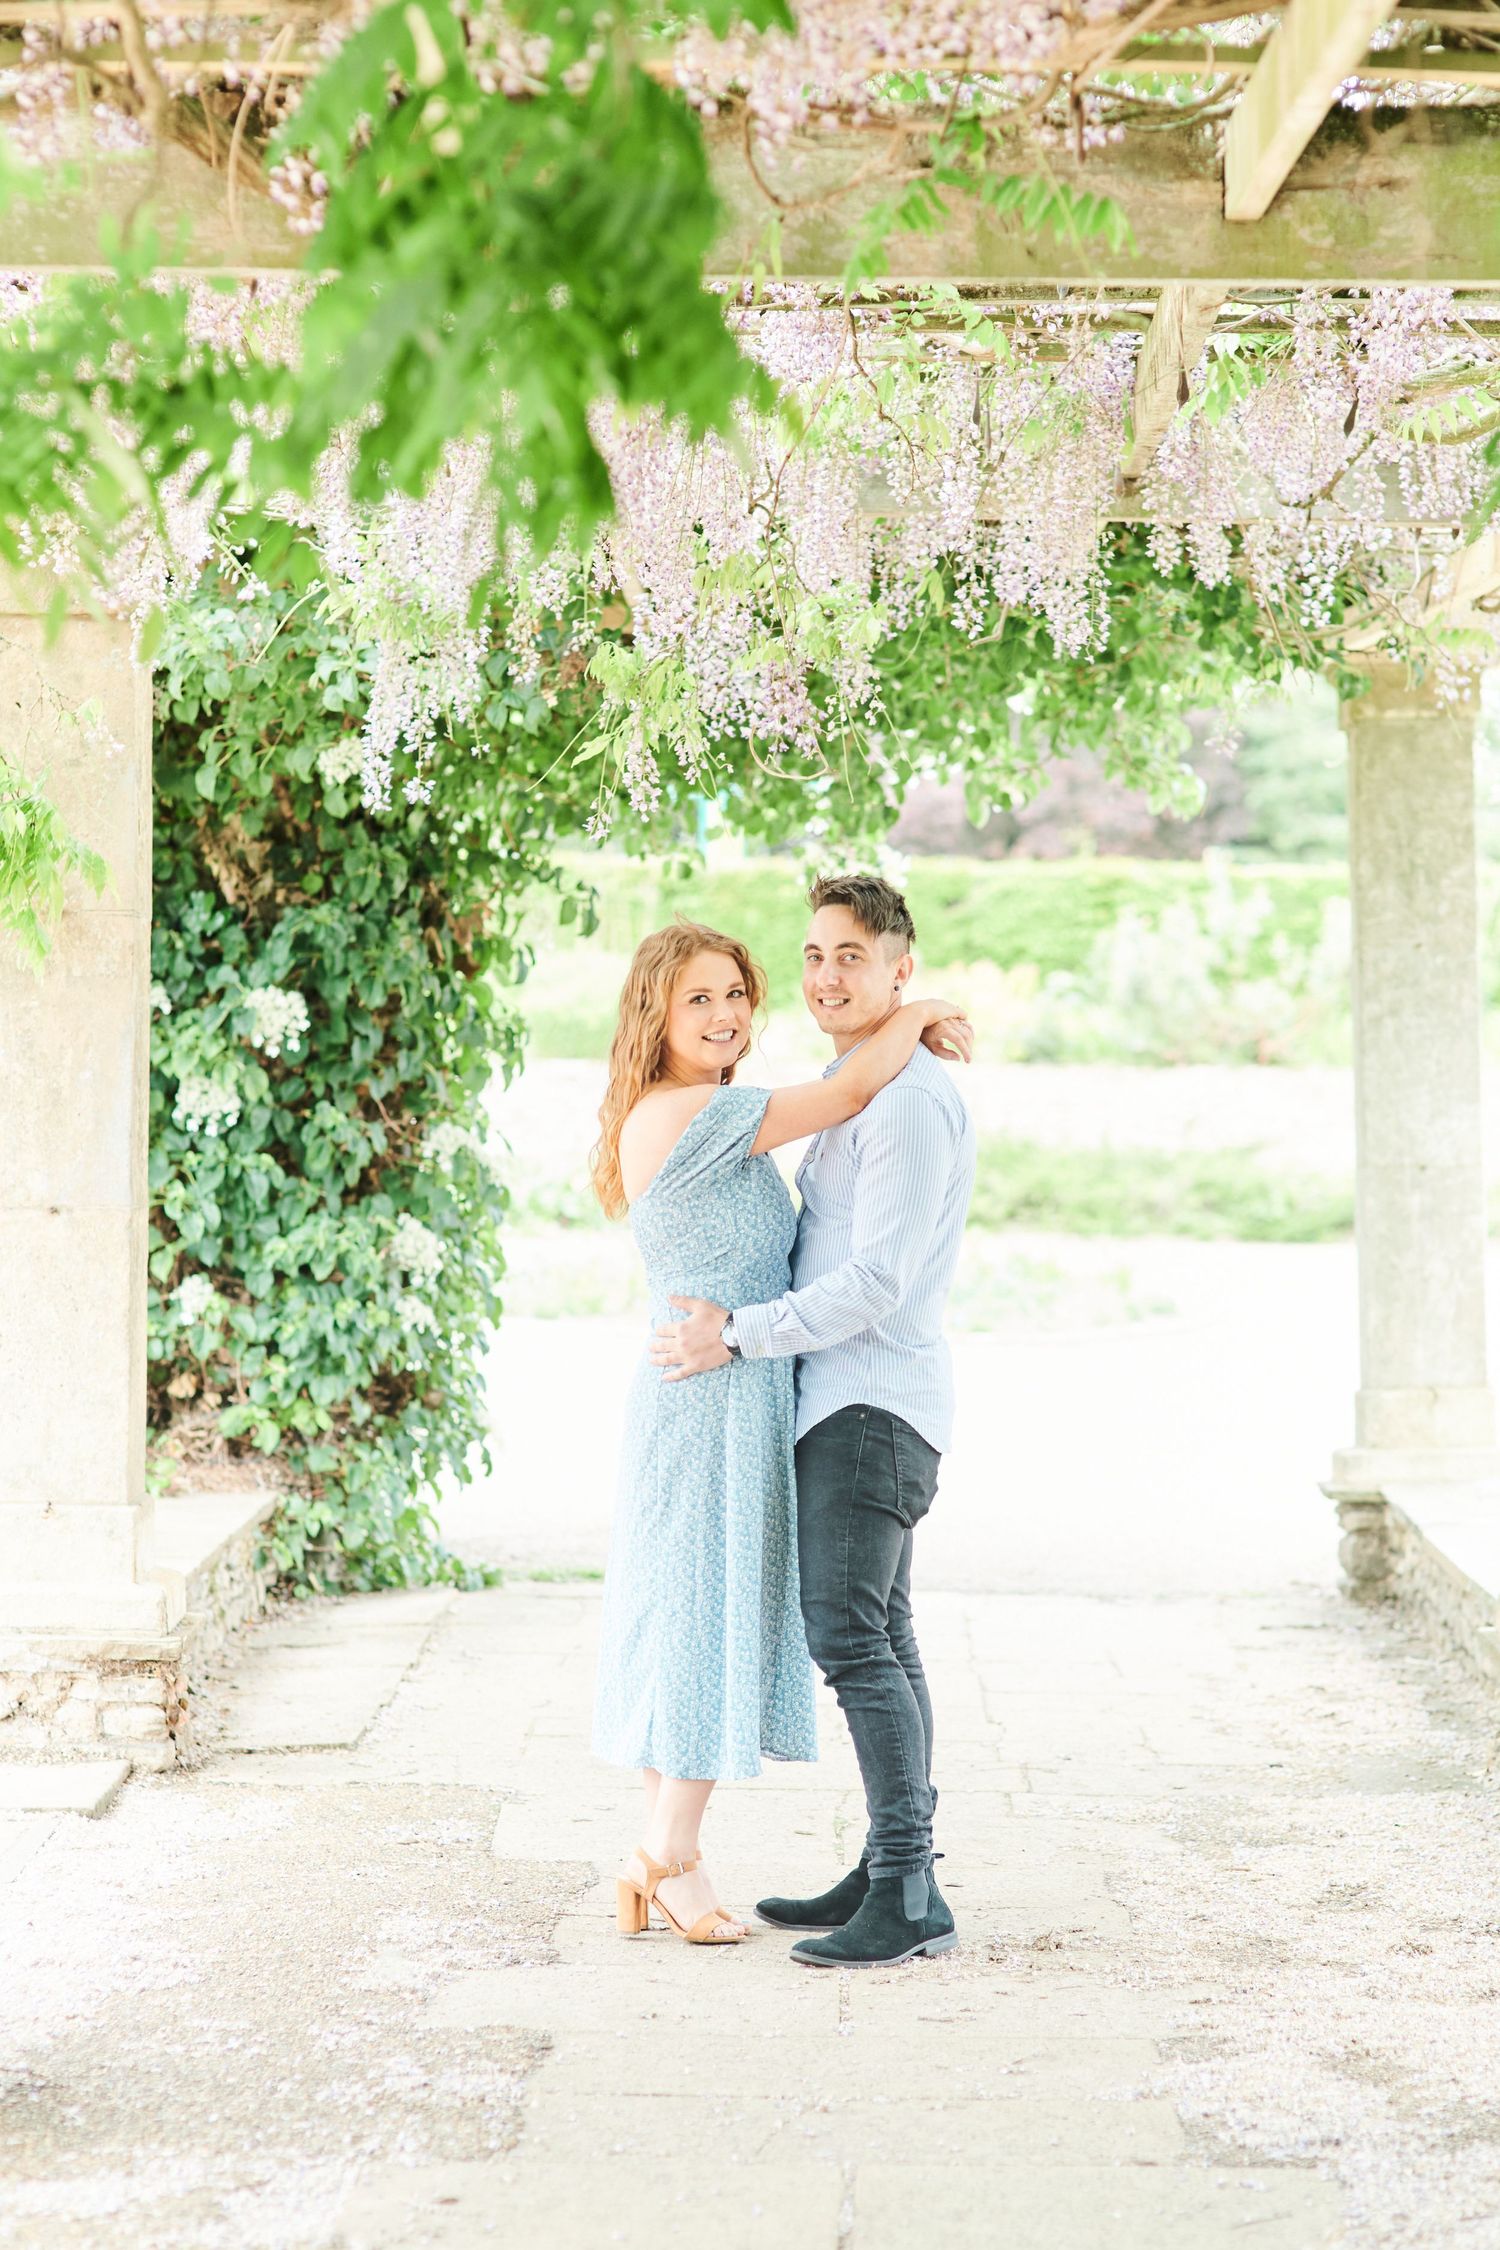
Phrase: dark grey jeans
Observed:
(864, 1479)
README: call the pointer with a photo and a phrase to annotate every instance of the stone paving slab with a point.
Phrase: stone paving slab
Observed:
(808, 2065)
(89, 1786)
(1042, 2009)
(976, 2134)
(1074, 2207)
(310, 1680)
(636, 1998)
(613, 2202)
(719, 2127)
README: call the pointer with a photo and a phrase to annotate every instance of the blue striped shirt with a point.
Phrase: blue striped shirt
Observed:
(884, 1198)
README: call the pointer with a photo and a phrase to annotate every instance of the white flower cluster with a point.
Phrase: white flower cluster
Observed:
(342, 760)
(161, 1000)
(416, 1316)
(279, 1019)
(195, 1297)
(416, 1249)
(445, 1141)
(205, 1106)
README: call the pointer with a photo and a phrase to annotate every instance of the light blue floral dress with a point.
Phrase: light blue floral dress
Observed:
(703, 1663)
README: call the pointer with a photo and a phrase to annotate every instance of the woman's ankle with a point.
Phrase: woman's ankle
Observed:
(671, 1854)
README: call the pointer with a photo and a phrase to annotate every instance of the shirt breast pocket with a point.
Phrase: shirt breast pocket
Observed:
(826, 1180)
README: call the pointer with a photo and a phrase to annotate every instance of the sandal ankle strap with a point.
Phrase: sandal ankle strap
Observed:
(659, 1872)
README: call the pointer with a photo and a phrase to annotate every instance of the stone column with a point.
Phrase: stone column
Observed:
(1424, 1412)
(74, 1515)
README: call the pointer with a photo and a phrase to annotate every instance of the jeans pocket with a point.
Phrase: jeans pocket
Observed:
(916, 1466)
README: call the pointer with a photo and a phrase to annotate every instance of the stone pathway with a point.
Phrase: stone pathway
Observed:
(1223, 1857)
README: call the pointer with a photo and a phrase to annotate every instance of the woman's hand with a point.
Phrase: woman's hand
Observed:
(948, 1033)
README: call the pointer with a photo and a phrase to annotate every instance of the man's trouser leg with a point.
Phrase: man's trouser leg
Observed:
(864, 1479)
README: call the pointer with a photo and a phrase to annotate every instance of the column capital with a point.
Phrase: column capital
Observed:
(1394, 691)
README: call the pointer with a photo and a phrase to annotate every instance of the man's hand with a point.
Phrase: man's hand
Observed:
(693, 1346)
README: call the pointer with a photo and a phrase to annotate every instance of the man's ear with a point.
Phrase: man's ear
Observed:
(903, 970)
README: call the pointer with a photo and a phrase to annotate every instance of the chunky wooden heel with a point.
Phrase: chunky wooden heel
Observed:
(632, 1913)
(634, 1901)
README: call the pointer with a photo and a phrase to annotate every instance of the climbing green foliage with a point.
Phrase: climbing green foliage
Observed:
(325, 1251)
(37, 855)
(957, 166)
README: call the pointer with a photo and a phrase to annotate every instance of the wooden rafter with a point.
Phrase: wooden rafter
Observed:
(1316, 45)
(1378, 66)
(1180, 327)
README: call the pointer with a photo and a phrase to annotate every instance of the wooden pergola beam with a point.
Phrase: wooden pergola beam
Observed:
(1180, 327)
(1374, 204)
(1370, 208)
(1315, 47)
(1196, 58)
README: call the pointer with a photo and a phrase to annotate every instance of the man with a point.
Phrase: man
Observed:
(884, 1199)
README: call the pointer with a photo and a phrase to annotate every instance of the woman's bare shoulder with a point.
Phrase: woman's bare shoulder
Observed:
(652, 1130)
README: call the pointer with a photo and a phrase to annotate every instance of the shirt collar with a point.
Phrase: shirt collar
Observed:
(839, 1061)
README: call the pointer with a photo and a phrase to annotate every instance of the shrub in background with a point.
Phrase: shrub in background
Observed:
(1189, 988)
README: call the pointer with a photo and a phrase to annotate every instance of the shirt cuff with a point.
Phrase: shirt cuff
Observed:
(752, 1330)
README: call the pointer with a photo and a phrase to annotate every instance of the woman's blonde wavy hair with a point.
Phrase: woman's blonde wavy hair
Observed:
(639, 1045)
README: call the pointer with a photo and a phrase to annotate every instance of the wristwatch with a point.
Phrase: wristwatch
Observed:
(726, 1338)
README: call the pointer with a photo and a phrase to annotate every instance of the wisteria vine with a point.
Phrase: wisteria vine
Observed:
(948, 454)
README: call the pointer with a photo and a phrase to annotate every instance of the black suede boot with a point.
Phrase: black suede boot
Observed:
(829, 1911)
(904, 1915)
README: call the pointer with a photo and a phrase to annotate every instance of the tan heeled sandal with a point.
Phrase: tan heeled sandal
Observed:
(634, 1901)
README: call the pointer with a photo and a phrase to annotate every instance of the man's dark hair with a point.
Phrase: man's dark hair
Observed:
(877, 906)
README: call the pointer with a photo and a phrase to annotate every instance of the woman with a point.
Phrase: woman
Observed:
(703, 1663)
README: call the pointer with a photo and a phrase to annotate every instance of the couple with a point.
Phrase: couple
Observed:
(759, 1520)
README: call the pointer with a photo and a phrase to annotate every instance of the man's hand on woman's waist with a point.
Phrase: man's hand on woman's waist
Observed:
(694, 1346)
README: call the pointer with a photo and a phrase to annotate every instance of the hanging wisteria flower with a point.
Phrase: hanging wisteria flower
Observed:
(948, 454)
(206, 1106)
(416, 1249)
(278, 1019)
(791, 78)
(405, 573)
(195, 1298)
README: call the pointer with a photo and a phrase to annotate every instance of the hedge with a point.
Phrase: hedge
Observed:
(1048, 912)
